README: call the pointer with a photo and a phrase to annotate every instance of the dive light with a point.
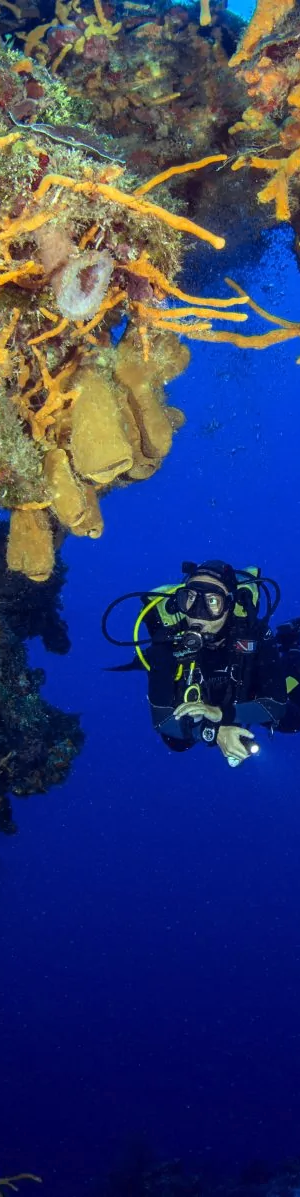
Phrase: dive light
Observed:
(252, 750)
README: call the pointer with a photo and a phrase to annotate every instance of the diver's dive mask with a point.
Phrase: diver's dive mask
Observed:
(203, 600)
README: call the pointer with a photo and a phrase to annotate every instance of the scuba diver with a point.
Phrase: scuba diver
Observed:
(214, 666)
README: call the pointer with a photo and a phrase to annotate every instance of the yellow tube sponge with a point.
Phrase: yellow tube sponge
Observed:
(99, 445)
(143, 467)
(176, 416)
(30, 546)
(66, 494)
(149, 414)
(205, 14)
(92, 523)
(144, 381)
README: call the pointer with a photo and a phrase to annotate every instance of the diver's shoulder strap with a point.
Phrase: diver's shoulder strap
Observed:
(247, 632)
(247, 597)
(161, 613)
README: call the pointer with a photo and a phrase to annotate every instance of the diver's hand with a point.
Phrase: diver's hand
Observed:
(229, 740)
(198, 710)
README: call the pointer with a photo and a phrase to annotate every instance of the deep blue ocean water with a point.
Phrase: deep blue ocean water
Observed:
(150, 933)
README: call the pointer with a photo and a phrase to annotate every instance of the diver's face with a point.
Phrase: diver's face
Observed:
(214, 601)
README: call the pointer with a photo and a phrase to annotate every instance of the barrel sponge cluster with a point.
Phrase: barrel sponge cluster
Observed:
(91, 321)
(84, 252)
(78, 413)
(118, 430)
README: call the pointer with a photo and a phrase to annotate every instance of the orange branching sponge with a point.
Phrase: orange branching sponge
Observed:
(282, 170)
(57, 396)
(107, 27)
(52, 332)
(267, 16)
(34, 38)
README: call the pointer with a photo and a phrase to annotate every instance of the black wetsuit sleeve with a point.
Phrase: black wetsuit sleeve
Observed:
(161, 693)
(270, 683)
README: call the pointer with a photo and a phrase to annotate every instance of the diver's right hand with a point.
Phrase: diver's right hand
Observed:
(229, 740)
(197, 711)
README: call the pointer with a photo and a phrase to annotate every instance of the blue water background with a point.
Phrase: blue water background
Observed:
(150, 934)
(244, 8)
(150, 908)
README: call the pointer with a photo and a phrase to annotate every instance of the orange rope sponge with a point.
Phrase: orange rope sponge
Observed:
(27, 223)
(52, 332)
(268, 14)
(262, 311)
(262, 341)
(178, 170)
(110, 301)
(109, 30)
(20, 272)
(144, 269)
(35, 36)
(162, 316)
(181, 223)
(8, 139)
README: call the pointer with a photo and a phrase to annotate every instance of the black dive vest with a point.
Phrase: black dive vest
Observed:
(223, 673)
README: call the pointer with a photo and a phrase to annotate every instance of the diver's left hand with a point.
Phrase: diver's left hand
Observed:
(198, 710)
(230, 741)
